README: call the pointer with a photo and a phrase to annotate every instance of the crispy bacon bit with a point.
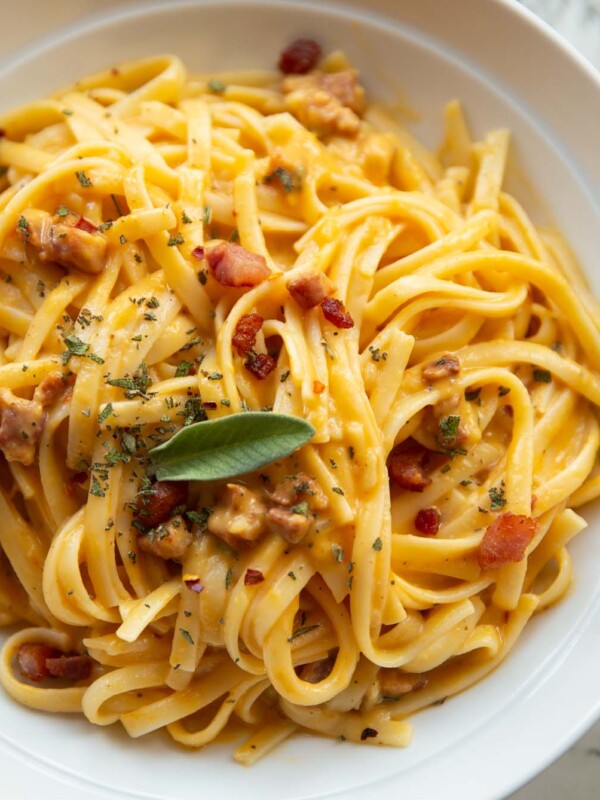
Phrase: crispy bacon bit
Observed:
(368, 733)
(244, 337)
(210, 405)
(198, 252)
(345, 87)
(253, 576)
(291, 491)
(50, 389)
(335, 312)
(318, 387)
(39, 661)
(84, 224)
(445, 366)
(407, 465)
(299, 57)
(506, 540)
(233, 265)
(31, 659)
(72, 667)
(393, 682)
(158, 503)
(316, 671)
(427, 521)
(239, 517)
(170, 540)
(64, 240)
(288, 523)
(261, 365)
(193, 583)
(21, 427)
(327, 103)
(310, 290)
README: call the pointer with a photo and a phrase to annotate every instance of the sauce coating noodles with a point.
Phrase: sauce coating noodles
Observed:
(176, 248)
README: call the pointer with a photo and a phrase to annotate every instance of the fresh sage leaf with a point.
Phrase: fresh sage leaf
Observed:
(228, 446)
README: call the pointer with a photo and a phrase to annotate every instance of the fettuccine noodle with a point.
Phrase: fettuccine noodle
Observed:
(448, 364)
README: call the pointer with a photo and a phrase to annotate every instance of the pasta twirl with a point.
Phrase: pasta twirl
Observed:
(179, 248)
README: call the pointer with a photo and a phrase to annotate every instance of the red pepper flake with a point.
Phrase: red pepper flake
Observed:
(299, 57)
(368, 733)
(335, 312)
(84, 224)
(318, 387)
(246, 329)
(198, 252)
(261, 365)
(2, 133)
(253, 576)
(115, 71)
(194, 584)
(209, 404)
(427, 521)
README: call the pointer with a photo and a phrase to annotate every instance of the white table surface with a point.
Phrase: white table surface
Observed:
(575, 776)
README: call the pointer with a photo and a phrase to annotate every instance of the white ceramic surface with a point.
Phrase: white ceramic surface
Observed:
(509, 71)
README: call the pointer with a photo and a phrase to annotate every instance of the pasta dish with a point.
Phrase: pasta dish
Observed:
(295, 414)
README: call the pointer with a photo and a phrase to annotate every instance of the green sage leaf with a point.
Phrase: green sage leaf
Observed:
(222, 448)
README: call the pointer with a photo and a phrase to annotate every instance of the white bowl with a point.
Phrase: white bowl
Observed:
(509, 70)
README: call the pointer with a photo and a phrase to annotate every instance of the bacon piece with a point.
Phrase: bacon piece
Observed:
(506, 540)
(291, 491)
(316, 671)
(71, 667)
(170, 540)
(158, 503)
(299, 57)
(31, 659)
(327, 103)
(393, 683)
(253, 576)
(21, 427)
(50, 389)
(239, 517)
(244, 337)
(64, 241)
(288, 523)
(261, 365)
(335, 312)
(233, 265)
(445, 366)
(309, 290)
(408, 464)
(427, 521)
(344, 86)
